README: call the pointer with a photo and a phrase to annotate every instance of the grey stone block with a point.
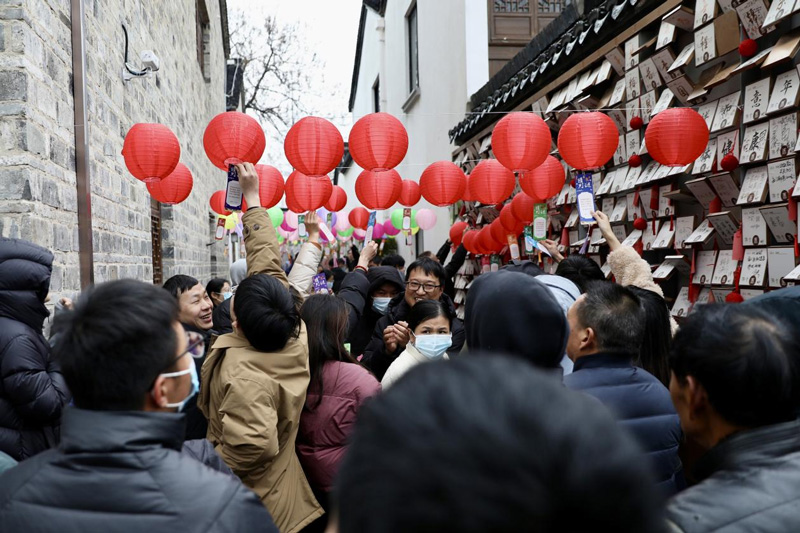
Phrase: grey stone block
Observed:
(13, 85)
(15, 184)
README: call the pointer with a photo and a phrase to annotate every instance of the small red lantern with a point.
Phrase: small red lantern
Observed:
(487, 241)
(522, 207)
(378, 190)
(637, 123)
(734, 298)
(635, 161)
(173, 189)
(309, 193)
(270, 185)
(491, 182)
(409, 193)
(469, 241)
(521, 141)
(676, 136)
(544, 181)
(217, 203)
(359, 218)
(151, 151)
(314, 146)
(715, 205)
(337, 201)
(232, 138)
(507, 218)
(499, 233)
(748, 48)
(443, 183)
(378, 142)
(457, 232)
(588, 140)
(729, 163)
(469, 196)
(640, 224)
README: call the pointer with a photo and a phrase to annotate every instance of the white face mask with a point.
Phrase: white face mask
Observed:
(381, 305)
(433, 346)
(195, 384)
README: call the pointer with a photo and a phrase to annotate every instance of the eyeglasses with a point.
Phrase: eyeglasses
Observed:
(427, 287)
(196, 347)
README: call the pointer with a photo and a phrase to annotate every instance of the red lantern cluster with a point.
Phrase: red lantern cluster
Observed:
(151, 152)
(409, 193)
(359, 218)
(307, 193)
(521, 141)
(173, 189)
(378, 142)
(378, 190)
(588, 140)
(443, 183)
(314, 146)
(232, 138)
(270, 185)
(217, 203)
(545, 181)
(469, 241)
(337, 201)
(491, 182)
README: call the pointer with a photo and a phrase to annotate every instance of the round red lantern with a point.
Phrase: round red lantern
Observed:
(486, 242)
(378, 190)
(588, 140)
(676, 136)
(748, 48)
(359, 218)
(443, 183)
(499, 233)
(635, 161)
(293, 206)
(637, 123)
(337, 201)
(378, 142)
(545, 181)
(521, 141)
(457, 232)
(409, 193)
(309, 193)
(729, 163)
(522, 207)
(469, 196)
(151, 151)
(507, 218)
(640, 224)
(232, 138)
(173, 189)
(217, 203)
(469, 241)
(491, 182)
(270, 185)
(314, 146)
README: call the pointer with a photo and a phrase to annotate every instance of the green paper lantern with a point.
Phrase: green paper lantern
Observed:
(346, 232)
(276, 216)
(280, 239)
(397, 219)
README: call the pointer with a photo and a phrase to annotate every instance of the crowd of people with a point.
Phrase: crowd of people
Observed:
(275, 402)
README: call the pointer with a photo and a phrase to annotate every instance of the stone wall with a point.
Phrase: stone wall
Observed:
(38, 198)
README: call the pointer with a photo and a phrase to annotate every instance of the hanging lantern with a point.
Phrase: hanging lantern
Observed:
(507, 218)
(545, 181)
(491, 182)
(676, 136)
(276, 216)
(390, 229)
(729, 163)
(522, 207)
(173, 189)
(469, 241)
(637, 123)
(232, 138)
(409, 193)
(314, 146)
(217, 203)
(359, 218)
(308, 193)
(499, 233)
(468, 196)
(293, 205)
(640, 224)
(378, 231)
(337, 201)
(151, 152)
(457, 232)
(426, 219)
(521, 141)
(397, 218)
(635, 161)
(378, 142)
(378, 190)
(270, 185)
(588, 140)
(748, 48)
(342, 224)
(442, 183)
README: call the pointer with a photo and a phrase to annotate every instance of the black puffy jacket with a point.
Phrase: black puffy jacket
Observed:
(123, 472)
(360, 332)
(32, 389)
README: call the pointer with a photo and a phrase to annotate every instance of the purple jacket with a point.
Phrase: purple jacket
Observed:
(325, 431)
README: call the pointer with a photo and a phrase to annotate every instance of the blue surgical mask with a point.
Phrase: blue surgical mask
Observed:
(381, 305)
(226, 295)
(330, 286)
(433, 346)
(192, 370)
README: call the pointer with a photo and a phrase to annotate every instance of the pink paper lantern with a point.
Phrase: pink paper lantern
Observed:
(378, 231)
(359, 234)
(342, 224)
(426, 219)
(290, 219)
(286, 227)
(389, 229)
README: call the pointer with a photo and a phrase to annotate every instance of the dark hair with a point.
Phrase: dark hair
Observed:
(115, 343)
(657, 335)
(426, 310)
(215, 285)
(743, 357)
(429, 267)
(455, 438)
(326, 319)
(426, 253)
(580, 270)
(266, 312)
(393, 260)
(377, 260)
(178, 284)
(615, 315)
(328, 274)
(330, 263)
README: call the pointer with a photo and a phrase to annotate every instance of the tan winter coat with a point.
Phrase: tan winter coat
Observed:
(253, 400)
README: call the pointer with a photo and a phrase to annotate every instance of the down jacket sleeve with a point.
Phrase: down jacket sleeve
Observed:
(261, 243)
(305, 268)
(32, 382)
(375, 356)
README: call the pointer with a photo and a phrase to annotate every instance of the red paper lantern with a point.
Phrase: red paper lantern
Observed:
(409, 193)
(359, 218)
(469, 195)
(676, 136)
(545, 181)
(715, 205)
(293, 206)
(151, 152)
(637, 123)
(491, 182)
(457, 232)
(337, 201)
(217, 203)
(378, 190)
(270, 185)
(748, 48)
(635, 161)
(588, 140)
(521, 141)
(309, 193)
(232, 138)
(314, 146)
(378, 142)
(499, 233)
(443, 183)
(522, 207)
(173, 189)
(469, 241)
(486, 241)
(729, 163)
(640, 224)
(507, 218)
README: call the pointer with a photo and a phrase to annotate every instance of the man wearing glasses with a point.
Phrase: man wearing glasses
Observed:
(129, 365)
(425, 279)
